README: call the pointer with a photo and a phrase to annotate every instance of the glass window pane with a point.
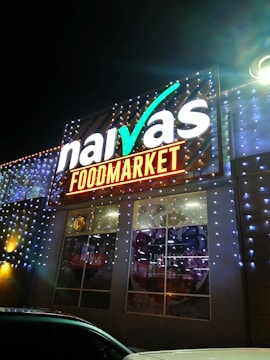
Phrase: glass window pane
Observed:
(72, 263)
(187, 209)
(88, 256)
(145, 303)
(169, 255)
(99, 265)
(147, 260)
(187, 265)
(150, 213)
(105, 219)
(78, 222)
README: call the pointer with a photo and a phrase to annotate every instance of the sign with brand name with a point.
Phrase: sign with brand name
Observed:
(146, 165)
(167, 133)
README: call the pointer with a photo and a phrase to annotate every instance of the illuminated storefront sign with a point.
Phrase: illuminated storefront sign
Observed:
(171, 133)
(146, 165)
(160, 131)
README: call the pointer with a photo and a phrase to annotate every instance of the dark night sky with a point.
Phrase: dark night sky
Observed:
(61, 62)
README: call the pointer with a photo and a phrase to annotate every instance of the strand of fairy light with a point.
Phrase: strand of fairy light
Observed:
(254, 228)
(216, 227)
(242, 145)
(226, 136)
(30, 180)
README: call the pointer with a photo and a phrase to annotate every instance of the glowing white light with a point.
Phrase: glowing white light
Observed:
(260, 70)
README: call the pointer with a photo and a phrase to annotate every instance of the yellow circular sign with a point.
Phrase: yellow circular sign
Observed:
(79, 223)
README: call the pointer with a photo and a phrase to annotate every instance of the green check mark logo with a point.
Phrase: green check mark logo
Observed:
(129, 139)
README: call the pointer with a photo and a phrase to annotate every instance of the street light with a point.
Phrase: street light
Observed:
(260, 70)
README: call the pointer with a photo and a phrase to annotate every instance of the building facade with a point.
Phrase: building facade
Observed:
(151, 219)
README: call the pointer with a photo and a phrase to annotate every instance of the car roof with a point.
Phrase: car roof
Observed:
(248, 353)
(15, 315)
(48, 315)
(38, 313)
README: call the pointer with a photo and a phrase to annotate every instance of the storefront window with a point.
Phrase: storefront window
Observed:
(169, 271)
(87, 257)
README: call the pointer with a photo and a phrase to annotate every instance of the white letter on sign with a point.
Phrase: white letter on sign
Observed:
(199, 119)
(160, 132)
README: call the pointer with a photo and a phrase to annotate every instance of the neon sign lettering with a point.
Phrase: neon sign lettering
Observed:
(149, 164)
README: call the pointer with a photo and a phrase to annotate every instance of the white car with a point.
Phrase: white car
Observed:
(249, 353)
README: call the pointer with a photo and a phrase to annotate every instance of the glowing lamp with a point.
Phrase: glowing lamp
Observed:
(260, 70)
